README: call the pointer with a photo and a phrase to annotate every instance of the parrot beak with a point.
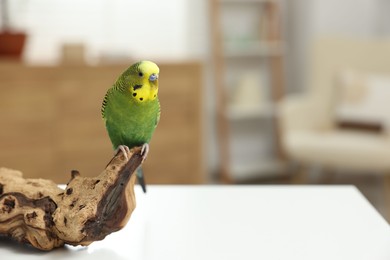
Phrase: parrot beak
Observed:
(153, 77)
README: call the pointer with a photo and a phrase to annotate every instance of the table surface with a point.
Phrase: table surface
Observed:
(237, 222)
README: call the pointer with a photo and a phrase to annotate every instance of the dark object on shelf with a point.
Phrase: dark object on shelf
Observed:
(12, 44)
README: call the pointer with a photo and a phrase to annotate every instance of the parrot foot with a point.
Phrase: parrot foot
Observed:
(144, 151)
(125, 150)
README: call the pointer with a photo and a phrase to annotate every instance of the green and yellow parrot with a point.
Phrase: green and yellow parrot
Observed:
(131, 109)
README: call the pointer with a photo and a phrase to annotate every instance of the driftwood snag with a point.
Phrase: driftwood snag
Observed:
(38, 212)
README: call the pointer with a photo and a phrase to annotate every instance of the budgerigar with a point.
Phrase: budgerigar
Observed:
(131, 109)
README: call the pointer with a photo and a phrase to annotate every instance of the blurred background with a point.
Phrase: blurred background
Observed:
(252, 91)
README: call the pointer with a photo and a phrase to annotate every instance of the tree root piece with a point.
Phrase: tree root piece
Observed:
(38, 212)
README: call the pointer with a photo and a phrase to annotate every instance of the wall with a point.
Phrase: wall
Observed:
(310, 19)
(136, 28)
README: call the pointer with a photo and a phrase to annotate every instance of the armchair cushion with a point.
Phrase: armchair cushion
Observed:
(342, 148)
(363, 99)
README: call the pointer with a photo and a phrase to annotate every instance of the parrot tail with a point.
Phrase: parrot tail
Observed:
(141, 179)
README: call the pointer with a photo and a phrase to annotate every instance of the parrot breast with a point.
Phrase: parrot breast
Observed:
(129, 122)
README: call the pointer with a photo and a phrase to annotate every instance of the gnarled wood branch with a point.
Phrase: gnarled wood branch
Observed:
(38, 212)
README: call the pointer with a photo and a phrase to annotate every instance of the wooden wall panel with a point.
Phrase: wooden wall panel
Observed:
(50, 122)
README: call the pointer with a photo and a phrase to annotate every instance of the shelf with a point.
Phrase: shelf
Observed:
(236, 112)
(253, 49)
(248, 33)
(259, 169)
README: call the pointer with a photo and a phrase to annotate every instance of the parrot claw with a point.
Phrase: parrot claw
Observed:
(125, 150)
(144, 151)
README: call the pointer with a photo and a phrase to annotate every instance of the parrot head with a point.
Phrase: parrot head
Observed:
(141, 81)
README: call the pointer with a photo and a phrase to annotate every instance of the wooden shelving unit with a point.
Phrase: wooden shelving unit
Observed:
(257, 47)
(254, 50)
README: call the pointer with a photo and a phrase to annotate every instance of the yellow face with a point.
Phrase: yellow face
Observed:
(144, 87)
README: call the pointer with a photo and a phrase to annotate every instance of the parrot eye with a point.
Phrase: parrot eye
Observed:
(140, 74)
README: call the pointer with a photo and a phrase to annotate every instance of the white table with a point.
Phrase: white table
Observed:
(238, 222)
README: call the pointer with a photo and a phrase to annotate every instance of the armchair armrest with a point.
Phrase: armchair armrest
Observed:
(297, 112)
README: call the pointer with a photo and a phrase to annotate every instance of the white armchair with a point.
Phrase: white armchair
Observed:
(310, 135)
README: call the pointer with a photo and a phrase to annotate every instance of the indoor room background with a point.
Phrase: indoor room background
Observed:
(252, 92)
